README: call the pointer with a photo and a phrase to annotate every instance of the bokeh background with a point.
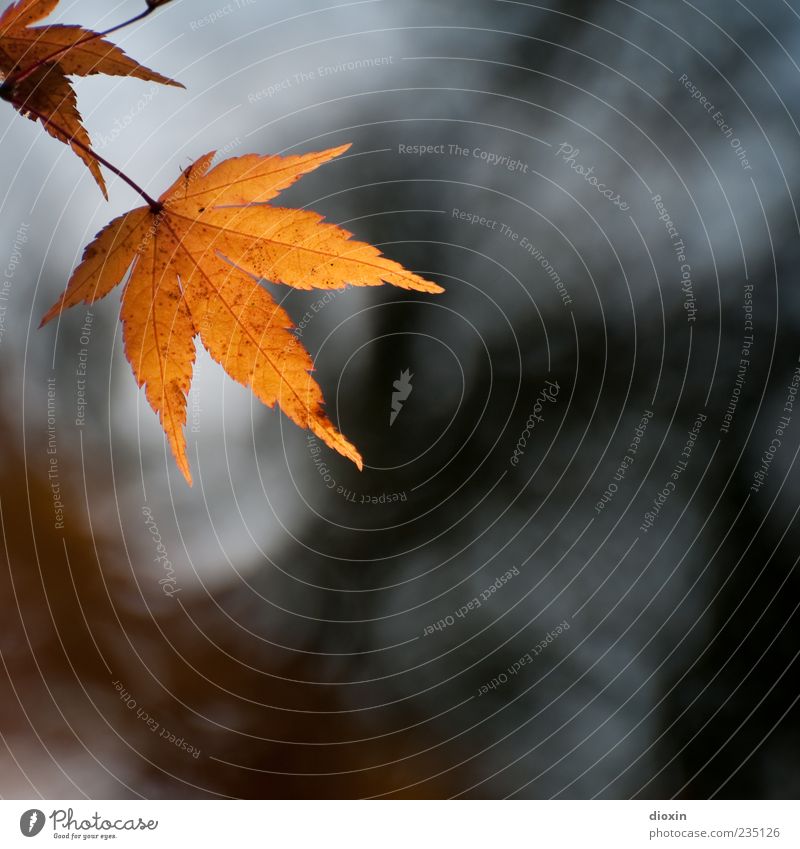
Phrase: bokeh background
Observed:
(312, 634)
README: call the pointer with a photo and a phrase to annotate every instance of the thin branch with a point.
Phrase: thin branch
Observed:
(92, 36)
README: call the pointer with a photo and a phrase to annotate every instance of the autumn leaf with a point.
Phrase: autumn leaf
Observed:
(36, 61)
(49, 92)
(195, 255)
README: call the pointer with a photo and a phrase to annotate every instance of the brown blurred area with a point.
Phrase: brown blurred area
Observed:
(76, 620)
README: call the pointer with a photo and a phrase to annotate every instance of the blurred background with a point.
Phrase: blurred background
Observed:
(569, 567)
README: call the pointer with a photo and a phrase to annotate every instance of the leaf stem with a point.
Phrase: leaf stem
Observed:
(154, 205)
(14, 79)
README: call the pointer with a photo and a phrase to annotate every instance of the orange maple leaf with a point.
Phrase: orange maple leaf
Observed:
(195, 255)
(36, 61)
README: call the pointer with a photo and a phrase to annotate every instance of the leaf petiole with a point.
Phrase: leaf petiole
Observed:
(154, 205)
